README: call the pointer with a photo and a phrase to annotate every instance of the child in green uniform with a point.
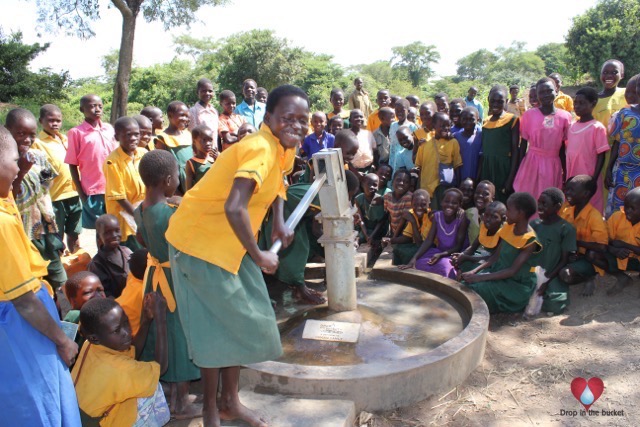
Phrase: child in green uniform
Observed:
(483, 195)
(159, 172)
(199, 164)
(558, 239)
(373, 222)
(410, 235)
(176, 138)
(487, 240)
(509, 280)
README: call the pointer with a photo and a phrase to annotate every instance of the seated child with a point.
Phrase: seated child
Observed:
(591, 232)
(131, 298)
(335, 125)
(448, 235)
(506, 280)
(200, 163)
(468, 188)
(31, 193)
(155, 115)
(36, 387)
(245, 129)
(124, 188)
(113, 388)
(159, 173)
(230, 122)
(482, 196)
(416, 229)
(337, 101)
(146, 132)
(176, 138)
(382, 136)
(319, 139)
(111, 263)
(487, 240)
(558, 239)
(624, 238)
(372, 221)
(398, 201)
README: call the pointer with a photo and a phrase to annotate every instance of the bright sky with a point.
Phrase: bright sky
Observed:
(353, 31)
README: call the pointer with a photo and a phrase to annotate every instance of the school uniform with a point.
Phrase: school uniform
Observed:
(590, 227)
(230, 320)
(563, 101)
(509, 295)
(131, 300)
(345, 115)
(403, 252)
(88, 149)
(181, 146)
(372, 215)
(113, 382)
(430, 154)
(123, 182)
(153, 222)
(36, 386)
(199, 167)
(204, 115)
(64, 197)
(620, 228)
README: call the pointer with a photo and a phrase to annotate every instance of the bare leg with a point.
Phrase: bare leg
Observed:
(185, 409)
(230, 406)
(73, 243)
(210, 415)
(622, 281)
(173, 397)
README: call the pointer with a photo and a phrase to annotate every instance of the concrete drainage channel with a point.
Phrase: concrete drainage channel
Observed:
(392, 380)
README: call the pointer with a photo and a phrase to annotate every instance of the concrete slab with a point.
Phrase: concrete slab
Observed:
(316, 270)
(284, 411)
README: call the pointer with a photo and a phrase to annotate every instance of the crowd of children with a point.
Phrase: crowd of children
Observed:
(495, 199)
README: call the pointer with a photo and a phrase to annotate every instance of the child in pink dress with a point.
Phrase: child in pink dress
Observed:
(543, 131)
(587, 144)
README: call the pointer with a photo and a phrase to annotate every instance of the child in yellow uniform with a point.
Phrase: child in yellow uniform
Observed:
(337, 100)
(440, 161)
(624, 241)
(409, 236)
(113, 388)
(562, 100)
(64, 197)
(383, 99)
(155, 115)
(124, 188)
(224, 306)
(131, 298)
(36, 386)
(591, 234)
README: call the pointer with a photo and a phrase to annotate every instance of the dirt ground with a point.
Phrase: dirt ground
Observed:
(528, 367)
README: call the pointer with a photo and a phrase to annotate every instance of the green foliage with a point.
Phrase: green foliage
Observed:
(477, 65)
(414, 60)
(606, 31)
(162, 83)
(17, 82)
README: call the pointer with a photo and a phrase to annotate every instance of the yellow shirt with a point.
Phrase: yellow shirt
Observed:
(173, 141)
(425, 225)
(620, 228)
(373, 122)
(430, 154)
(21, 265)
(62, 187)
(609, 105)
(123, 183)
(564, 102)
(131, 301)
(259, 157)
(589, 225)
(488, 242)
(113, 378)
(344, 114)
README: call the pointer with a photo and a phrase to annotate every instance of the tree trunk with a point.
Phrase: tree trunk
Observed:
(125, 60)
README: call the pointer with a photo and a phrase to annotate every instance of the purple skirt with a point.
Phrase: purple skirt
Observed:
(442, 268)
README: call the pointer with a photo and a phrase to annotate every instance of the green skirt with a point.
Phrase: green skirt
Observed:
(227, 319)
(180, 368)
(403, 252)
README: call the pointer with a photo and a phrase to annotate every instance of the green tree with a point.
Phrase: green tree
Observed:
(414, 61)
(608, 30)
(75, 17)
(17, 81)
(476, 65)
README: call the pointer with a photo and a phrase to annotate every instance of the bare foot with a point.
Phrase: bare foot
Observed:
(308, 295)
(622, 281)
(237, 410)
(210, 419)
(589, 288)
(187, 412)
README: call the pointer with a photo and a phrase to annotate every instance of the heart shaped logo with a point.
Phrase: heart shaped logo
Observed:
(587, 392)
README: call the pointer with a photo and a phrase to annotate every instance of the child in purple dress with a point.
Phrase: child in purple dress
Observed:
(448, 235)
